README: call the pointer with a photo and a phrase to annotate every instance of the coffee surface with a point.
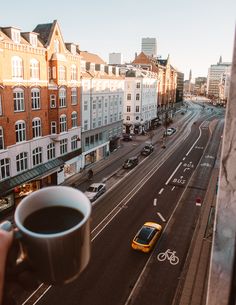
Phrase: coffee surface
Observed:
(53, 219)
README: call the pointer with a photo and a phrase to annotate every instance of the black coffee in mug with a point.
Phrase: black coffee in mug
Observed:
(53, 219)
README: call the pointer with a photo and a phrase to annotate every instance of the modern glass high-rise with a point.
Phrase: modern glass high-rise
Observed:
(149, 46)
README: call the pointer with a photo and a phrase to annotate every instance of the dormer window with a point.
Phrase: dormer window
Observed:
(92, 67)
(102, 68)
(33, 40)
(73, 49)
(15, 35)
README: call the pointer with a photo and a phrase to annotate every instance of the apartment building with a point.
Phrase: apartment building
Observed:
(39, 111)
(214, 77)
(140, 103)
(102, 107)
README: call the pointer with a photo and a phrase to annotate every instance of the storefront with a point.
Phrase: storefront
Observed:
(17, 187)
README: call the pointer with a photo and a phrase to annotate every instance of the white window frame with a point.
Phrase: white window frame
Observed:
(35, 98)
(37, 156)
(53, 101)
(36, 127)
(34, 69)
(73, 73)
(53, 127)
(20, 130)
(18, 98)
(62, 97)
(74, 143)
(4, 168)
(85, 125)
(51, 151)
(74, 119)
(74, 100)
(56, 46)
(22, 162)
(63, 146)
(63, 123)
(17, 67)
(62, 73)
(85, 105)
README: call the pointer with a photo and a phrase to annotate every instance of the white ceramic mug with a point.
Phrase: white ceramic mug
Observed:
(57, 257)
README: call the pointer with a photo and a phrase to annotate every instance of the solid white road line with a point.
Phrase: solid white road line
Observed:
(162, 218)
(173, 173)
(196, 140)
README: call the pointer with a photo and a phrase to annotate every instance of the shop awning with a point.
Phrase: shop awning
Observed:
(36, 172)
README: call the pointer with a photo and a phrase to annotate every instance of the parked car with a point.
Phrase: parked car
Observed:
(95, 190)
(147, 237)
(127, 137)
(130, 163)
(169, 131)
(147, 150)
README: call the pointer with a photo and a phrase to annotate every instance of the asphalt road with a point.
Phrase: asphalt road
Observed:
(118, 275)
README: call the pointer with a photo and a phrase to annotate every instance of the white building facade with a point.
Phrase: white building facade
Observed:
(115, 59)
(140, 102)
(101, 108)
(214, 77)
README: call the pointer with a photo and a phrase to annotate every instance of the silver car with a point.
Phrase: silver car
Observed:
(95, 190)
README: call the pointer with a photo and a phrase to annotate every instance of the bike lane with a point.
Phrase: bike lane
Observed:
(159, 282)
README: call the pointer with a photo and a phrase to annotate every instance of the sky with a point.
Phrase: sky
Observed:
(194, 33)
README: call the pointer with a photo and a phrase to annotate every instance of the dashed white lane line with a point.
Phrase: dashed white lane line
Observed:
(155, 202)
(161, 190)
(162, 218)
(173, 188)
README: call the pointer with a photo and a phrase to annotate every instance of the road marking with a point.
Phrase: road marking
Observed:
(161, 191)
(173, 173)
(155, 202)
(184, 158)
(162, 218)
(173, 188)
(195, 141)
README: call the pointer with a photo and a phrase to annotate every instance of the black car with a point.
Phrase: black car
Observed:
(127, 137)
(147, 150)
(130, 163)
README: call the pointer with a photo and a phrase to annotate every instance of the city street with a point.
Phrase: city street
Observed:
(162, 188)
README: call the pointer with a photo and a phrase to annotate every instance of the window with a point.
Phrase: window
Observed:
(99, 104)
(99, 121)
(37, 156)
(20, 131)
(85, 124)
(4, 168)
(138, 85)
(62, 73)
(36, 125)
(18, 97)
(53, 127)
(94, 123)
(73, 96)
(85, 105)
(1, 138)
(137, 97)
(56, 46)
(63, 123)
(51, 151)
(94, 105)
(128, 118)
(74, 143)
(128, 97)
(128, 108)
(62, 97)
(74, 119)
(87, 141)
(34, 69)
(35, 98)
(21, 162)
(16, 36)
(63, 146)
(17, 67)
(73, 72)
(137, 109)
(53, 102)
(33, 40)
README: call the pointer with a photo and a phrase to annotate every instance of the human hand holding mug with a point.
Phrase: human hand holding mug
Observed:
(54, 223)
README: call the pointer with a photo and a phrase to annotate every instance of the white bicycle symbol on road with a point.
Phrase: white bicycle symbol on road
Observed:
(170, 255)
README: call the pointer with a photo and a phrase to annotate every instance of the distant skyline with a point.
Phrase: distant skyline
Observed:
(195, 33)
